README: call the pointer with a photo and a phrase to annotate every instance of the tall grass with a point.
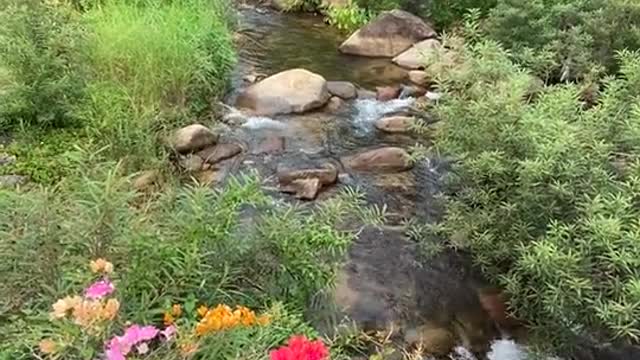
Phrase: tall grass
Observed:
(155, 63)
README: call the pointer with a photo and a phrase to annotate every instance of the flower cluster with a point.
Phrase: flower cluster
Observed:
(138, 337)
(222, 318)
(93, 309)
(300, 348)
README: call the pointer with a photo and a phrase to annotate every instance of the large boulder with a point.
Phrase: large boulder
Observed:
(291, 91)
(386, 159)
(389, 34)
(415, 57)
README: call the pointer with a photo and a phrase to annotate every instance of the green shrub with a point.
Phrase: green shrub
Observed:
(347, 18)
(544, 192)
(566, 40)
(42, 75)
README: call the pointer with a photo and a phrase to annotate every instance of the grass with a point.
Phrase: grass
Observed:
(154, 67)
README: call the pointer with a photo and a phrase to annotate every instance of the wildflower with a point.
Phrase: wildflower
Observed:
(222, 317)
(168, 319)
(101, 266)
(63, 306)
(135, 335)
(168, 333)
(202, 310)
(300, 348)
(176, 310)
(110, 309)
(48, 346)
(99, 289)
(263, 319)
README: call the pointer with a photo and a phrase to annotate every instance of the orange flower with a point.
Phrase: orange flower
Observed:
(48, 346)
(87, 313)
(168, 318)
(202, 310)
(110, 309)
(176, 310)
(63, 306)
(101, 265)
(222, 318)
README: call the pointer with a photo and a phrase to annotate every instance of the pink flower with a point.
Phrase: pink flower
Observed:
(168, 333)
(119, 346)
(99, 289)
(300, 348)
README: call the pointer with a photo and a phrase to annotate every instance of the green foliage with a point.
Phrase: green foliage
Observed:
(568, 39)
(42, 74)
(348, 18)
(44, 156)
(544, 192)
(154, 65)
(191, 243)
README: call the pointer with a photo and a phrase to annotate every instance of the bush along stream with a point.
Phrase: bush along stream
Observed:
(188, 179)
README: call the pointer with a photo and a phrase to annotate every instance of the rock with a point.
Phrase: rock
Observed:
(208, 177)
(342, 89)
(389, 34)
(291, 91)
(270, 145)
(395, 124)
(306, 183)
(387, 159)
(327, 174)
(433, 340)
(219, 152)
(419, 77)
(10, 181)
(386, 93)
(6, 159)
(413, 91)
(494, 303)
(433, 96)
(366, 94)
(253, 77)
(146, 180)
(191, 163)
(305, 189)
(193, 138)
(334, 104)
(417, 55)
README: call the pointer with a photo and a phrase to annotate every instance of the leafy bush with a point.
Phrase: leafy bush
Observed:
(568, 39)
(42, 75)
(347, 18)
(545, 192)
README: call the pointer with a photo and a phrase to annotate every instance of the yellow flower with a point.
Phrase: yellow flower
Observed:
(110, 309)
(48, 346)
(101, 265)
(176, 310)
(63, 306)
(202, 310)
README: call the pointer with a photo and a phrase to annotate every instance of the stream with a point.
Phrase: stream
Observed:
(384, 281)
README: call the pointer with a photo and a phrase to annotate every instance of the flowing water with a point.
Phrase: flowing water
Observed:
(384, 280)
